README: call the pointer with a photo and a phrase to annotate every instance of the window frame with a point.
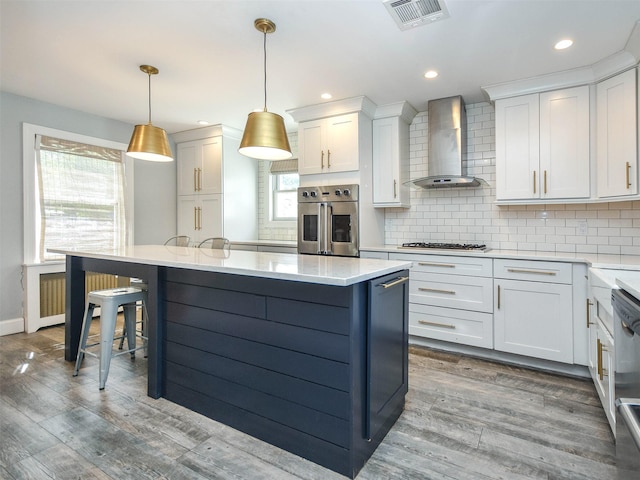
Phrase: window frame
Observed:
(273, 182)
(31, 255)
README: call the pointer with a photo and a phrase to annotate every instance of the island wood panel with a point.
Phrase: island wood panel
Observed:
(316, 335)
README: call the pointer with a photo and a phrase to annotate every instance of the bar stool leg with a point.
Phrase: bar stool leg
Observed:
(86, 326)
(130, 326)
(108, 316)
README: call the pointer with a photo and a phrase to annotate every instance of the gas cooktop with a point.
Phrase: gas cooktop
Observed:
(446, 246)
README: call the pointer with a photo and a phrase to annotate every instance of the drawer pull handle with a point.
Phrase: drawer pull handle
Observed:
(436, 324)
(429, 264)
(498, 297)
(599, 356)
(526, 270)
(436, 290)
(397, 281)
(628, 170)
(589, 322)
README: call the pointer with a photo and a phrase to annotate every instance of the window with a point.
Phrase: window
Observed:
(284, 181)
(80, 193)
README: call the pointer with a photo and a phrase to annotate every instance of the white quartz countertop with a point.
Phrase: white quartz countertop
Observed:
(326, 270)
(619, 262)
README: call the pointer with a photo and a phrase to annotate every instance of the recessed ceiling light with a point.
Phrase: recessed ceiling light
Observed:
(326, 96)
(562, 44)
(431, 74)
(203, 122)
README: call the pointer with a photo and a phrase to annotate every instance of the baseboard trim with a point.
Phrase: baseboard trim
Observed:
(11, 326)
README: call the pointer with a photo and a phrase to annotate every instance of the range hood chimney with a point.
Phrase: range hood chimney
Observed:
(447, 145)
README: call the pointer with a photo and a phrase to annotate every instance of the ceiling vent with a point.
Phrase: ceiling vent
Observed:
(414, 13)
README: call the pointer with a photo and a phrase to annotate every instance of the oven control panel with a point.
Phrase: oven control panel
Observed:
(330, 193)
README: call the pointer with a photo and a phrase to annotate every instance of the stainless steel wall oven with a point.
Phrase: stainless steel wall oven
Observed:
(328, 220)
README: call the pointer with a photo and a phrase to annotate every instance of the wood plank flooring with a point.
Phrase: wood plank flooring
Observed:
(464, 419)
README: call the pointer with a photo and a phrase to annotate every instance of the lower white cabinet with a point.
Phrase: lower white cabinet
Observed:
(200, 216)
(533, 313)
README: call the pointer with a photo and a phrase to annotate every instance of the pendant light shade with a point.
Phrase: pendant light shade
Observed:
(149, 142)
(265, 137)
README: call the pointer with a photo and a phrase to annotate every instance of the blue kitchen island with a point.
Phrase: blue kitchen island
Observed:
(308, 353)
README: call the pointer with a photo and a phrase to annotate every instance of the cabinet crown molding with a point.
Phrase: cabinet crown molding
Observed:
(206, 132)
(404, 110)
(338, 107)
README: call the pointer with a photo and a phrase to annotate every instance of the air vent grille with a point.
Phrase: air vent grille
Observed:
(414, 13)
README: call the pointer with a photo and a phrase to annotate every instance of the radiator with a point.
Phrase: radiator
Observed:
(52, 288)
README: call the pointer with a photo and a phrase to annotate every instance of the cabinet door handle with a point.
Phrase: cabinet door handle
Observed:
(328, 158)
(589, 323)
(534, 181)
(436, 324)
(436, 290)
(545, 182)
(199, 179)
(195, 180)
(397, 281)
(628, 175)
(395, 189)
(322, 159)
(195, 218)
(526, 270)
(429, 264)
(498, 297)
(599, 354)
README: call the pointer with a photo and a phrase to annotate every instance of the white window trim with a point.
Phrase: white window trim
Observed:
(267, 206)
(31, 207)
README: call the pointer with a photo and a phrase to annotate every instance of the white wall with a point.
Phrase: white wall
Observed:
(469, 215)
(155, 186)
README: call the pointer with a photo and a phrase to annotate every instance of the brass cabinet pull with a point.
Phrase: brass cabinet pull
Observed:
(328, 158)
(195, 218)
(628, 175)
(395, 189)
(199, 218)
(397, 281)
(199, 179)
(436, 290)
(429, 264)
(526, 270)
(322, 159)
(589, 322)
(498, 297)
(545, 182)
(599, 355)
(195, 179)
(534, 181)
(435, 324)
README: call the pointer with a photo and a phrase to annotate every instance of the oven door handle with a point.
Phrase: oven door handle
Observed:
(319, 228)
(328, 239)
(629, 417)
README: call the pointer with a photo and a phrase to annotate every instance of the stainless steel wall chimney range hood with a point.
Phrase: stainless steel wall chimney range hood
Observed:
(447, 145)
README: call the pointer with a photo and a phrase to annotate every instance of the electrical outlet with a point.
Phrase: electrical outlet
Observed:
(582, 227)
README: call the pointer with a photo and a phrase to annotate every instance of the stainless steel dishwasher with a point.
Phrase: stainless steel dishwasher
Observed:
(626, 326)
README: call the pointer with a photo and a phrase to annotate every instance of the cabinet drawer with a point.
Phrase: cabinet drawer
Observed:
(534, 271)
(476, 266)
(450, 325)
(454, 291)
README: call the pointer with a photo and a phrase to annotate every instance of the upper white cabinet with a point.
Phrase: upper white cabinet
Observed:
(391, 155)
(617, 130)
(542, 146)
(328, 145)
(217, 187)
(200, 166)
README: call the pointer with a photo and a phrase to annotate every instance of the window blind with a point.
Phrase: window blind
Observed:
(81, 196)
(284, 166)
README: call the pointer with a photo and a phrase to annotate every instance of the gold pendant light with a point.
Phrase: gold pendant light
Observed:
(265, 137)
(149, 142)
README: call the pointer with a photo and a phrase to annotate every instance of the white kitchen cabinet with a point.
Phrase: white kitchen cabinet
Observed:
(217, 187)
(542, 146)
(391, 155)
(328, 145)
(617, 134)
(533, 313)
(450, 298)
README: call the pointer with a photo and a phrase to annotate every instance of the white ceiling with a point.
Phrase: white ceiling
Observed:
(85, 54)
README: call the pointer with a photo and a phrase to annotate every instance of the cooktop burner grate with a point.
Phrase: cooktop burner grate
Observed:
(445, 246)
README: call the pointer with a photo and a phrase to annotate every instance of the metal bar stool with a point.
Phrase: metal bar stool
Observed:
(109, 301)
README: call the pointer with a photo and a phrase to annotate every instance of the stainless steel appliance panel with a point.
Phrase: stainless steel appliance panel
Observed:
(328, 220)
(626, 310)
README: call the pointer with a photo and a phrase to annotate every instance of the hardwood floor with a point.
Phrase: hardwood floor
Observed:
(464, 419)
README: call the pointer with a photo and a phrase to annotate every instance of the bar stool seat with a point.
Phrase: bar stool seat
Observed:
(109, 301)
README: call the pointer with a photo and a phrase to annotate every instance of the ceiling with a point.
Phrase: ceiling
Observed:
(85, 54)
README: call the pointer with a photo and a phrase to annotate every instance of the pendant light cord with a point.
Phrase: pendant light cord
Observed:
(265, 69)
(149, 98)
